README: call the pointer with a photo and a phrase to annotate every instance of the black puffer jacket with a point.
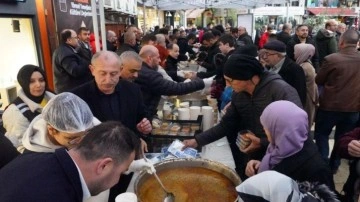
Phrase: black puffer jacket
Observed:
(153, 85)
(245, 111)
(69, 69)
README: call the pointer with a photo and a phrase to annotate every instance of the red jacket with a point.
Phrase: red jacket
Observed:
(263, 40)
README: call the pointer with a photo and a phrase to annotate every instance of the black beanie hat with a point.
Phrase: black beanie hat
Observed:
(24, 77)
(242, 67)
(250, 50)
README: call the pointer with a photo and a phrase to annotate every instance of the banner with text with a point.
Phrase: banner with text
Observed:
(73, 14)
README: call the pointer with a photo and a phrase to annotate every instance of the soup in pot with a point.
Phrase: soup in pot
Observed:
(190, 184)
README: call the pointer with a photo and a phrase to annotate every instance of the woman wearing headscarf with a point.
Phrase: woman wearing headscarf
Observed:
(32, 97)
(290, 152)
(303, 54)
(273, 186)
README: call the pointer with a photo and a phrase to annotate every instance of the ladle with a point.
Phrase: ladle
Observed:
(170, 197)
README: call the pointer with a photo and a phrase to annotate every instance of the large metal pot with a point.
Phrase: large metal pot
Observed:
(188, 163)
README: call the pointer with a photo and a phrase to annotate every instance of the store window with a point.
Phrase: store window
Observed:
(17, 48)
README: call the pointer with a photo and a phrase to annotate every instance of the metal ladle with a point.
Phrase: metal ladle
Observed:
(170, 197)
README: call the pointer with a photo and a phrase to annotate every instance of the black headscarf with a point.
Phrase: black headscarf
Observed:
(24, 77)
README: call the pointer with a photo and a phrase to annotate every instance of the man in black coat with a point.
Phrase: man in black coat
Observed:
(84, 45)
(284, 35)
(73, 175)
(244, 38)
(129, 43)
(302, 36)
(210, 42)
(292, 73)
(69, 68)
(153, 84)
(113, 99)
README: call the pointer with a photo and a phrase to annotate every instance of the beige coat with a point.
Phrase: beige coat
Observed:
(312, 95)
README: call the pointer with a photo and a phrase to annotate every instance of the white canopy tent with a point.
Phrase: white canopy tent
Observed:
(191, 4)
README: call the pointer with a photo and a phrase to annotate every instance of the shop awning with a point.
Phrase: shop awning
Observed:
(191, 4)
(194, 13)
(332, 11)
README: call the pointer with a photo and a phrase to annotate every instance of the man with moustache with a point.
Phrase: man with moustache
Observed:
(69, 68)
(302, 36)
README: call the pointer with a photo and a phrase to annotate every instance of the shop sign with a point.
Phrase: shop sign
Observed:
(73, 14)
(126, 6)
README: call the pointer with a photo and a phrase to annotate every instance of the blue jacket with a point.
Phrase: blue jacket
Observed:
(41, 177)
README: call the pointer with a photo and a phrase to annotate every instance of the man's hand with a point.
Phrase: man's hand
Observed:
(189, 143)
(143, 145)
(252, 167)
(354, 148)
(144, 126)
(254, 145)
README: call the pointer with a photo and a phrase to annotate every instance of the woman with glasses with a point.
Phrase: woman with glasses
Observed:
(32, 97)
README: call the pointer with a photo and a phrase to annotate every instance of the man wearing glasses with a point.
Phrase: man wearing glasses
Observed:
(275, 58)
(69, 68)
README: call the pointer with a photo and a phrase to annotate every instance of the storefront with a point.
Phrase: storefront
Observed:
(23, 42)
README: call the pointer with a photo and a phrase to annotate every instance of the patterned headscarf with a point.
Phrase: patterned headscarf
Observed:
(303, 52)
(288, 128)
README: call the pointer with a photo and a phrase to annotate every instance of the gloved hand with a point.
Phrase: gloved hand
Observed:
(139, 165)
(208, 82)
(126, 197)
(180, 74)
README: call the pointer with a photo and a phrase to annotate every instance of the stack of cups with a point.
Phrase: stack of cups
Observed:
(194, 112)
(166, 112)
(184, 113)
(208, 117)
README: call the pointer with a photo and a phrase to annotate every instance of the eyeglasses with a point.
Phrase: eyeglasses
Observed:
(267, 54)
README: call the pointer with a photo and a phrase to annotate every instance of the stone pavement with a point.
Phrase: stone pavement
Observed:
(343, 172)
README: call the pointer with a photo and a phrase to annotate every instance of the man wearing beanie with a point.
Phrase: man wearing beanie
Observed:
(275, 57)
(254, 89)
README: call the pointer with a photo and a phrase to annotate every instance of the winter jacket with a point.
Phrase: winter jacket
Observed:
(283, 36)
(41, 177)
(294, 75)
(171, 69)
(326, 43)
(307, 165)
(153, 85)
(339, 77)
(244, 40)
(69, 69)
(16, 123)
(125, 47)
(245, 111)
(128, 102)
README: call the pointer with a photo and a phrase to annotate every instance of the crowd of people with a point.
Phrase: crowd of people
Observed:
(80, 142)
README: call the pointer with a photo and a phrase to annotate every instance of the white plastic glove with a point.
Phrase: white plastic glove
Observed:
(180, 74)
(139, 165)
(126, 197)
(208, 82)
(187, 80)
